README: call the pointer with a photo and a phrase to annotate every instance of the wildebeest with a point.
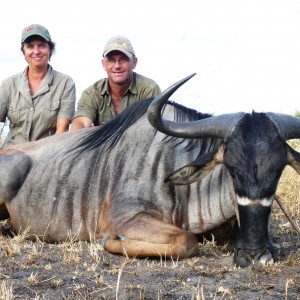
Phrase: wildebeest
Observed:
(147, 190)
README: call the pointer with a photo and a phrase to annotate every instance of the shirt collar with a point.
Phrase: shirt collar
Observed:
(48, 77)
(44, 86)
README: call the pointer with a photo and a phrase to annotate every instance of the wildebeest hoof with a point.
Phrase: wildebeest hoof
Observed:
(244, 258)
(6, 229)
(103, 240)
(121, 237)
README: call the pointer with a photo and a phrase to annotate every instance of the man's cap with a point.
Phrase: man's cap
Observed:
(119, 43)
(35, 29)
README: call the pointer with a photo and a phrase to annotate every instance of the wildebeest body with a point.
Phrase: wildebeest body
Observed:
(74, 189)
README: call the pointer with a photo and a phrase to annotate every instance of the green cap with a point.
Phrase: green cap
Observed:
(119, 43)
(35, 29)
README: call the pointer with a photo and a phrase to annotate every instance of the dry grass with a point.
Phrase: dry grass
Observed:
(289, 192)
(36, 270)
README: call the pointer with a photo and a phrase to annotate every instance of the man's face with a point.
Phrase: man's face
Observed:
(119, 67)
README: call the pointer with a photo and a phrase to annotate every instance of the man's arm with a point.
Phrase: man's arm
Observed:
(81, 122)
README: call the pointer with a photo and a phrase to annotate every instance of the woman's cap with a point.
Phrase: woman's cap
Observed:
(35, 29)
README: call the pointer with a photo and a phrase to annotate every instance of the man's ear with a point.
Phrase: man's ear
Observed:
(134, 61)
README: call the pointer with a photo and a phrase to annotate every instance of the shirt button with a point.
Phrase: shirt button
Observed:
(31, 109)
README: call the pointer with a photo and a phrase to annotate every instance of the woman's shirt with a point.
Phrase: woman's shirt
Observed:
(32, 117)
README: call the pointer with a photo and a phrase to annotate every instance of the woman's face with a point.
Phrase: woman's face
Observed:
(37, 53)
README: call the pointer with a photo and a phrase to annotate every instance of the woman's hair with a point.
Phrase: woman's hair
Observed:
(37, 37)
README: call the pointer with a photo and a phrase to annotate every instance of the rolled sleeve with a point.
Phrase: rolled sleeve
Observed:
(145, 87)
(67, 105)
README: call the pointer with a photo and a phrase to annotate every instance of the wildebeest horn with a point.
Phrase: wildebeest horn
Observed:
(288, 126)
(220, 126)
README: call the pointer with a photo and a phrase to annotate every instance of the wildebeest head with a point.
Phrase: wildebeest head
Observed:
(255, 152)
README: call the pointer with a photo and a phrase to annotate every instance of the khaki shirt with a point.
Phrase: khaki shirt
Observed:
(96, 102)
(34, 117)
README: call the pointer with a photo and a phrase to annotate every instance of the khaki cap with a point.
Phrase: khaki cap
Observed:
(119, 43)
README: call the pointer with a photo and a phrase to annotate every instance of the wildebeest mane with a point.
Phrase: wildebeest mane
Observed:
(114, 129)
(111, 132)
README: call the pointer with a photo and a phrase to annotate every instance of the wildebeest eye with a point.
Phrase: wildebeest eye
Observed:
(230, 169)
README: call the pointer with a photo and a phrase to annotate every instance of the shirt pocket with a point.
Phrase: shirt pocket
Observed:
(50, 111)
(14, 115)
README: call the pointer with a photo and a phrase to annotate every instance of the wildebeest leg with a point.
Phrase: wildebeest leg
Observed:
(14, 167)
(3, 212)
(144, 235)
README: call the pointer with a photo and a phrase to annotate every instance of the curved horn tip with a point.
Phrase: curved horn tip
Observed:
(188, 77)
(178, 84)
(193, 74)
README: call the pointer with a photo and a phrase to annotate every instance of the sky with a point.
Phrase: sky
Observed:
(246, 54)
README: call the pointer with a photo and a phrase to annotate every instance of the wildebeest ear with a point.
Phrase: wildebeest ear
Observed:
(197, 170)
(293, 159)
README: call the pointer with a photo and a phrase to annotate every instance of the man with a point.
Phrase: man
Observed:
(109, 96)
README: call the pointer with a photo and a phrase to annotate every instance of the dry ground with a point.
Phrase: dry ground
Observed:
(36, 270)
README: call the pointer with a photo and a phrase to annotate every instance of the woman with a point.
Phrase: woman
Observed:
(39, 101)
